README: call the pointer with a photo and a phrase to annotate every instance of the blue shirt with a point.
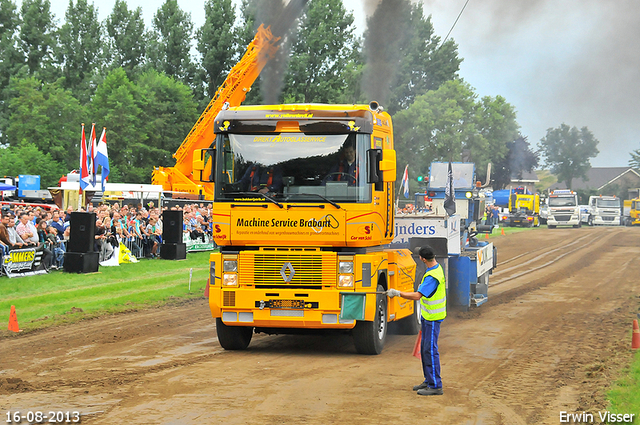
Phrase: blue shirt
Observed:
(429, 284)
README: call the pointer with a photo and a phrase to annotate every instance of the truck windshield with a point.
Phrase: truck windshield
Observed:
(608, 203)
(568, 201)
(295, 167)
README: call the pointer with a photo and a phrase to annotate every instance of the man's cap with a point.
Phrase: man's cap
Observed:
(427, 253)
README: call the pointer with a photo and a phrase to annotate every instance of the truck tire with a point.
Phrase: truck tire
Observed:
(369, 337)
(550, 226)
(233, 337)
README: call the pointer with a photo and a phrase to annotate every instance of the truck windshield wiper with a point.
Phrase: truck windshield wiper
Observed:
(317, 195)
(268, 198)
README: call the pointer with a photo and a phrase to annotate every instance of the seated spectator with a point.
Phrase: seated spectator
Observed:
(155, 236)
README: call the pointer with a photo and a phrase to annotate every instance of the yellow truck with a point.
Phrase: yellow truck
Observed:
(634, 212)
(303, 209)
(524, 208)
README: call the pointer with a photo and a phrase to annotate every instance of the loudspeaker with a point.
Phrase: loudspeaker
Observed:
(173, 251)
(82, 232)
(81, 262)
(172, 226)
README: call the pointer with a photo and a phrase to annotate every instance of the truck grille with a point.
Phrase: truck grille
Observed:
(562, 217)
(312, 268)
(605, 218)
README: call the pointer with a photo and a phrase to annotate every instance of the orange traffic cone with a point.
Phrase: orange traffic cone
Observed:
(486, 236)
(13, 320)
(416, 348)
(635, 339)
(502, 232)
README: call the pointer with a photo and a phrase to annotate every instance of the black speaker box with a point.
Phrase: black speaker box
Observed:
(81, 262)
(173, 251)
(172, 226)
(82, 232)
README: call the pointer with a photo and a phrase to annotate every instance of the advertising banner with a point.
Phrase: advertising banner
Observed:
(23, 262)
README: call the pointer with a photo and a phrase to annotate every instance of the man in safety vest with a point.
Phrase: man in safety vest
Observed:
(433, 302)
(263, 179)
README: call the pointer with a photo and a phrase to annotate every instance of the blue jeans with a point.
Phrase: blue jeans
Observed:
(429, 352)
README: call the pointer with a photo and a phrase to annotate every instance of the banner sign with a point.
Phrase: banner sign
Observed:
(23, 262)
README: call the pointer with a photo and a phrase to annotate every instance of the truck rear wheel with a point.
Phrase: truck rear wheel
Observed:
(369, 337)
(233, 337)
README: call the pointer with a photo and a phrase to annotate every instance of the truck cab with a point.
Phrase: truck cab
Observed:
(563, 209)
(605, 211)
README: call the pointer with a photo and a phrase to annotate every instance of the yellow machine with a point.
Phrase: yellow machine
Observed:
(524, 209)
(232, 92)
(634, 212)
(304, 205)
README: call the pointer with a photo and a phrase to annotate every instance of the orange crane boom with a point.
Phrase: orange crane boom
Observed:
(232, 91)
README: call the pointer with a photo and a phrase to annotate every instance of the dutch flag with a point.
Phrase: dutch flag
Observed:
(405, 181)
(91, 159)
(102, 157)
(85, 178)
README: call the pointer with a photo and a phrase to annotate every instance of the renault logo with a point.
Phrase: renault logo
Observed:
(283, 272)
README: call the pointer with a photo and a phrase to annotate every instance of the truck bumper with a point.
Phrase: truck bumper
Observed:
(602, 221)
(313, 309)
(571, 222)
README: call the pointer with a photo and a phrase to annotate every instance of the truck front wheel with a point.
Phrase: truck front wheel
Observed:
(369, 337)
(233, 337)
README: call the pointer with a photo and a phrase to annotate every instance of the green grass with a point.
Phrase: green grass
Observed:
(624, 396)
(508, 230)
(46, 300)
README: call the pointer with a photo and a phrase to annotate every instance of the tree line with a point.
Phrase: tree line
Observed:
(148, 85)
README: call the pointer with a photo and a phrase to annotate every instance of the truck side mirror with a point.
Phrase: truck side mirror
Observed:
(388, 165)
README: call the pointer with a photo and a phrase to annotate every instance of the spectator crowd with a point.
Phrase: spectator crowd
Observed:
(137, 226)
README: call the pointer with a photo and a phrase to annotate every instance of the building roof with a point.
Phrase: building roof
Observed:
(599, 177)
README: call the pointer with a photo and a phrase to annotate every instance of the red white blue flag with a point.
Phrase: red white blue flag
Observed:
(405, 181)
(102, 157)
(91, 160)
(85, 179)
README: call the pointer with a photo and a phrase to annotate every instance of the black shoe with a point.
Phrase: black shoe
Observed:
(421, 386)
(430, 391)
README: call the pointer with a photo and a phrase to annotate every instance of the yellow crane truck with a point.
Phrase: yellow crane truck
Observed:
(304, 248)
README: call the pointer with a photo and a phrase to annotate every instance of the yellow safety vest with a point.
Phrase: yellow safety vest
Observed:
(435, 307)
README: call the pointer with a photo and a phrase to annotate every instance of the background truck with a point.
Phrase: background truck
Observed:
(605, 210)
(524, 208)
(563, 209)
(633, 218)
(307, 251)
(468, 262)
(27, 190)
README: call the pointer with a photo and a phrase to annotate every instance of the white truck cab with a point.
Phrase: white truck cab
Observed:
(563, 209)
(605, 210)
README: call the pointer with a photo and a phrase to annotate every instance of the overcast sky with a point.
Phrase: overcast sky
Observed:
(557, 61)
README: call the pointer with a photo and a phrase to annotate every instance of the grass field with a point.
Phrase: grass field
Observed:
(624, 395)
(45, 300)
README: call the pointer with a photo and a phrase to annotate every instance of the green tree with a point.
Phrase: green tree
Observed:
(118, 104)
(216, 44)
(497, 127)
(38, 37)
(169, 112)
(11, 59)
(323, 47)
(127, 37)
(26, 158)
(436, 127)
(80, 50)
(170, 43)
(47, 116)
(567, 150)
(635, 160)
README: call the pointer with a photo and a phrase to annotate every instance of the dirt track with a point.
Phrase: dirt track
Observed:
(552, 336)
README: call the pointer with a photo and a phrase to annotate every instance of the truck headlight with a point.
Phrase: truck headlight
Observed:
(230, 279)
(230, 266)
(346, 267)
(345, 281)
